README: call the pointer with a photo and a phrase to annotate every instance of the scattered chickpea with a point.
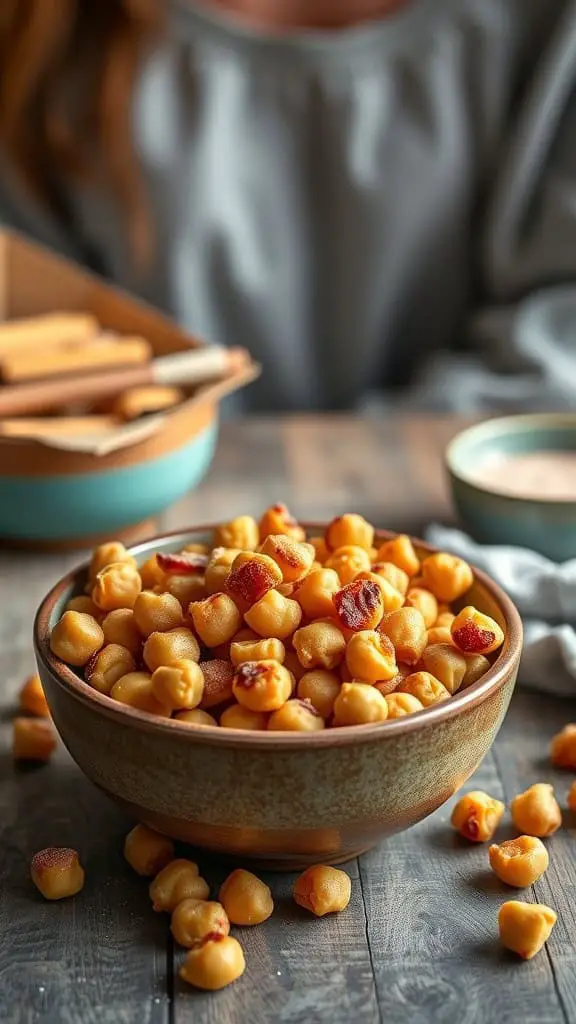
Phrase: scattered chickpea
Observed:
(349, 529)
(475, 633)
(397, 578)
(33, 699)
(135, 690)
(116, 586)
(519, 862)
(194, 920)
(274, 616)
(477, 815)
(296, 715)
(239, 717)
(293, 558)
(315, 593)
(277, 519)
(401, 704)
(257, 650)
(218, 675)
(445, 663)
(109, 554)
(536, 811)
(447, 576)
(147, 851)
(319, 645)
(76, 638)
(347, 562)
(323, 890)
(196, 717)
(571, 800)
(216, 619)
(370, 656)
(84, 603)
(407, 631)
(164, 648)
(262, 685)
(108, 666)
(57, 872)
(246, 898)
(525, 927)
(359, 704)
(33, 739)
(241, 533)
(157, 613)
(400, 551)
(563, 747)
(213, 965)
(120, 627)
(425, 602)
(179, 685)
(177, 882)
(320, 688)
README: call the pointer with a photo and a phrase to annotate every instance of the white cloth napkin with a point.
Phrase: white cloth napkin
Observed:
(544, 593)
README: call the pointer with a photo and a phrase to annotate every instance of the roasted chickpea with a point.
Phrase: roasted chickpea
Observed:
(218, 675)
(294, 558)
(213, 965)
(519, 862)
(57, 872)
(347, 562)
(246, 899)
(157, 613)
(179, 685)
(445, 617)
(177, 882)
(407, 631)
(218, 569)
(151, 574)
(321, 549)
(349, 529)
(185, 589)
(536, 811)
(296, 716)
(477, 815)
(33, 699)
(76, 638)
(370, 656)
(475, 633)
(108, 666)
(425, 602)
(401, 704)
(384, 686)
(476, 666)
(109, 554)
(397, 578)
(147, 851)
(359, 605)
(135, 690)
(439, 635)
(252, 575)
(257, 650)
(571, 800)
(116, 586)
(262, 685)
(400, 551)
(274, 616)
(319, 645)
(241, 533)
(323, 890)
(445, 663)
(216, 619)
(359, 704)
(425, 687)
(447, 576)
(277, 519)
(196, 717)
(33, 739)
(320, 688)
(84, 603)
(391, 599)
(525, 927)
(195, 548)
(119, 627)
(292, 663)
(239, 717)
(315, 593)
(563, 748)
(196, 919)
(164, 648)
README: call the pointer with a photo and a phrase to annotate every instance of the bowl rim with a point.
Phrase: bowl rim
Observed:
(469, 698)
(495, 427)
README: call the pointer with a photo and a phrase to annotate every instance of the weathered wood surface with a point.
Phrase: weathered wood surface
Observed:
(418, 943)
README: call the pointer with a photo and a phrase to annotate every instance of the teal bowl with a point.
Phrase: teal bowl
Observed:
(545, 526)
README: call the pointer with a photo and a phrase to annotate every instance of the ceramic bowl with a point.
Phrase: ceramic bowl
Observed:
(548, 527)
(283, 800)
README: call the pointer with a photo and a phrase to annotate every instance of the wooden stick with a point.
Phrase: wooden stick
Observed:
(53, 329)
(50, 361)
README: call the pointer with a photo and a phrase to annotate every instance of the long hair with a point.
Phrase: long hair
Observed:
(67, 74)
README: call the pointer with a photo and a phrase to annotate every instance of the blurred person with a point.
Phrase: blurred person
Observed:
(376, 197)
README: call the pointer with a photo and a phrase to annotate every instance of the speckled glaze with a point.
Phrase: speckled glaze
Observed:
(548, 527)
(284, 800)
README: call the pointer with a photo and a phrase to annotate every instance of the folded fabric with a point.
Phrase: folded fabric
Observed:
(544, 593)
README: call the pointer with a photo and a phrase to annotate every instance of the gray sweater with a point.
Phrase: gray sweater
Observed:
(380, 212)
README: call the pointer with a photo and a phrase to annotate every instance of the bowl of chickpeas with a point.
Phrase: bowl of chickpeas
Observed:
(285, 692)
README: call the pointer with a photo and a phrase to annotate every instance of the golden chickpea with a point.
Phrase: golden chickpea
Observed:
(292, 663)
(274, 616)
(476, 666)
(396, 577)
(296, 716)
(536, 811)
(391, 599)
(218, 569)
(400, 551)
(347, 562)
(477, 815)
(359, 704)
(119, 627)
(315, 593)
(196, 717)
(321, 549)
(116, 586)
(186, 589)
(294, 558)
(257, 650)
(164, 648)
(218, 676)
(425, 602)
(246, 899)
(277, 519)
(320, 688)
(85, 604)
(179, 685)
(359, 605)
(239, 717)
(33, 739)
(76, 638)
(323, 890)
(447, 576)
(216, 619)
(445, 617)
(349, 529)
(177, 882)
(407, 631)
(319, 645)
(425, 687)
(370, 656)
(475, 633)
(108, 666)
(214, 964)
(519, 862)
(563, 748)
(147, 851)
(571, 799)
(157, 613)
(196, 919)
(241, 533)
(439, 635)
(109, 554)
(525, 927)
(445, 663)
(252, 575)
(57, 872)
(262, 685)
(135, 690)
(401, 704)
(151, 574)
(32, 698)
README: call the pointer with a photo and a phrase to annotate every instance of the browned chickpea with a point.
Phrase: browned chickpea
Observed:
(116, 586)
(194, 920)
(213, 965)
(525, 927)
(135, 690)
(216, 619)
(359, 605)
(407, 631)
(323, 890)
(296, 716)
(246, 899)
(57, 873)
(400, 551)
(262, 685)
(164, 648)
(445, 663)
(439, 635)
(321, 549)
(320, 688)
(370, 656)
(218, 675)
(519, 862)
(292, 663)
(315, 593)
(277, 519)
(359, 704)
(252, 575)
(425, 687)
(294, 558)
(475, 633)
(476, 666)
(108, 666)
(196, 717)
(239, 717)
(218, 569)
(447, 576)
(178, 881)
(156, 613)
(119, 627)
(147, 851)
(179, 685)
(319, 645)
(274, 616)
(477, 815)
(397, 578)
(425, 602)
(85, 604)
(33, 739)
(33, 699)
(536, 811)
(401, 704)
(349, 529)
(391, 599)
(241, 533)
(257, 650)
(109, 554)
(347, 562)
(563, 747)
(76, 638)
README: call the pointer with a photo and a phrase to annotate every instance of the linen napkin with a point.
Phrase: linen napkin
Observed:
(544, 593)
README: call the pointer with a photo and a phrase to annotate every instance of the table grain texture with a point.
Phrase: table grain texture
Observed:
(418, 943)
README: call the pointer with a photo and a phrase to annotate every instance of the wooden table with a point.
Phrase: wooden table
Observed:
(418, 943)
